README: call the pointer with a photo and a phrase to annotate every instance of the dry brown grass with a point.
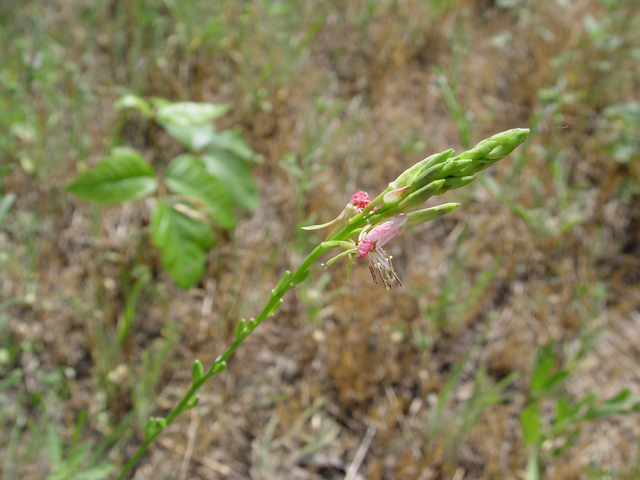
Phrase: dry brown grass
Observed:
(355, 363)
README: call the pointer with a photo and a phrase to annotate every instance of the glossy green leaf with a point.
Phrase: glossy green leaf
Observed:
(194, 137)
(123, 176)
(235, 175)
(232, 141)
(183, 242)
(187, 175)
(190, 113)
(190, 123)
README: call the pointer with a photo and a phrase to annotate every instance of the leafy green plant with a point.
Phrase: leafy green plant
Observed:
(362, 228)
(562, 425)
(307, 168)
(459, 294)
(458, 423)
(145, 385)
(462, 118)
(205, 183)
(76, 460)
(625, 120)
(275, 455)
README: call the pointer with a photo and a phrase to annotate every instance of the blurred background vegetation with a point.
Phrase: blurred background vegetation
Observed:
(510, 352)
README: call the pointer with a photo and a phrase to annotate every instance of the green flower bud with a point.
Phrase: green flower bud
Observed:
(422, 216)
(498, 146)
(408, 176)
(453, 166)
(426, 177)
(418, 198)
(394, 196)
(452, 183)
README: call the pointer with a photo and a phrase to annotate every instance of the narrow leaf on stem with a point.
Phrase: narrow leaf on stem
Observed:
(275, 308)
(154, 426)
(241, 328)
(197, 370)
(283, 280)
(301, 278)
(219, 368)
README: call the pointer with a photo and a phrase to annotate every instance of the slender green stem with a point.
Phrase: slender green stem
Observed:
(220, 364)
(424, 183)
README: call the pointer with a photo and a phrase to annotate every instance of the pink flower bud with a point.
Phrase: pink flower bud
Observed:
(396, 195)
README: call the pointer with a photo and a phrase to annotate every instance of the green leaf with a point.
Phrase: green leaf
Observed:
(190, 123)
(568, 442)
(187, 175)
(154, 426)
(219, 368)
(197, 370)
(194, 137)
(183, 243)
(621, 403)
(564, 411)
(545, 378)
(283, 280)
(54, 447)
(125, 175)
(192, 402)
(235, 175)
(241, 328)
(233, 142)
(134, 101)
(189, 113)
(531, 424)
(544, 363)
(554, 382)
(568, 415)
(298, 279)
(275, 307)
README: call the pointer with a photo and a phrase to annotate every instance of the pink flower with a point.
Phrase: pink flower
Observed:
(356, 204)
(359, 200)
(371, 243)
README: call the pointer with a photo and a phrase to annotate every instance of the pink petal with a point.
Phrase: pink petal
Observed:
(389, 235)
(381, 234)
(365, 246)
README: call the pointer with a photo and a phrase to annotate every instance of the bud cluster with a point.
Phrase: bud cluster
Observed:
(377, 221)
(442, 172)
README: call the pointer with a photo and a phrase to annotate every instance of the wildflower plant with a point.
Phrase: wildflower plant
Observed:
(361, 230)
(200, 187)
